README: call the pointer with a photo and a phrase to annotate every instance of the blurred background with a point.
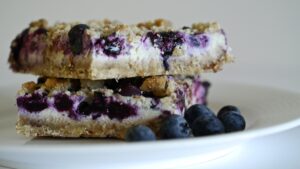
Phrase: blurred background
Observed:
(264, 35)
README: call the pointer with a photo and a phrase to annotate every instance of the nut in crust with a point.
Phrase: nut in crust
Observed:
(160, 86)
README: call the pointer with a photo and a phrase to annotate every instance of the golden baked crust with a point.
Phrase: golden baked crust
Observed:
(70, 128)
(170, 95)
(45, 50)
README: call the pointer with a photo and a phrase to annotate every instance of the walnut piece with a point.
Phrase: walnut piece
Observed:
(160, 86)
(29, 86)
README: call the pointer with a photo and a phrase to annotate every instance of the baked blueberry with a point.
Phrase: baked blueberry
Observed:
(203, 39)
(84, 108)
(198, 40)
(76, 38)
(129, 90)
(228, 108)
(112, 45)
(233, 121)
(194, 41)
(174, 126)
(120, 110)
(195, 111)
(166, 42)
(140, 133)
(207, 125)
(17, 45)
(34, 103)
(62, 102)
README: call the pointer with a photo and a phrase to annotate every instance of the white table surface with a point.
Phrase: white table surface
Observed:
(264, 36)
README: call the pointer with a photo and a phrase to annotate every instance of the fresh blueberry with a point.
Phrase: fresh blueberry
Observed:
(76, 38)
(207, 125)
(175, 126)
(233, 121)
(140, 133)
(112, 45)
(195, 111)
(226, 109)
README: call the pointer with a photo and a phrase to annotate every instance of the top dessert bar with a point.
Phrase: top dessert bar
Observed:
(109, 49)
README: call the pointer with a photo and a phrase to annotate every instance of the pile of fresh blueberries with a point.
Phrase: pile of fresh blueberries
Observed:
(198, 121)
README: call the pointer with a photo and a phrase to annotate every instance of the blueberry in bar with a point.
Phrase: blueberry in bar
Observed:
(99, 50)
(103, 108)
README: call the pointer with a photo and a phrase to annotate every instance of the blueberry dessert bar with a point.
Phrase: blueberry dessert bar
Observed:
(99, 50)
(103, 108)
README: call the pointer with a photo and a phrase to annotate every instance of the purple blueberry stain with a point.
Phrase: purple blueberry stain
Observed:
(102, 105)
(120, 111)
(198, 40)
(129, 90)
(62, 102)
(40, 31)
(180, 99)
(17, 45)
(200, 90)
(111, 45)
(35, 41)
(27, 43)
(166, 42)
(194, 41)
(34, 102)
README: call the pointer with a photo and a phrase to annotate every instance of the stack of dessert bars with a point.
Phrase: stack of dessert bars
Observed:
(100, 78)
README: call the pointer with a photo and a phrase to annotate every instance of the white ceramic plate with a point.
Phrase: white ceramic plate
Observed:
(266, 111)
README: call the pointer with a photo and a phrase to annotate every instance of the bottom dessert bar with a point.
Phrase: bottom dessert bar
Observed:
(103, 108)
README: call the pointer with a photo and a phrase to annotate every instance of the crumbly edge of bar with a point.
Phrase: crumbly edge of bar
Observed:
(159, 86)
(194, 68)
(107, 27)
(86, 69)
(70, 128)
